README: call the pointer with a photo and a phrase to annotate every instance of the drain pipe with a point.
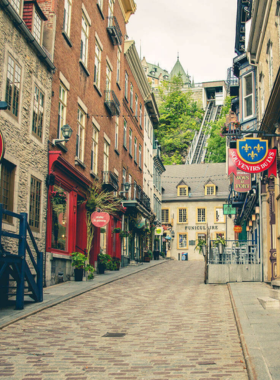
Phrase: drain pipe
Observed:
(260, 229)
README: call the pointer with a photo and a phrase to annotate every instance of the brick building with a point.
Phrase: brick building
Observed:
(25, 84)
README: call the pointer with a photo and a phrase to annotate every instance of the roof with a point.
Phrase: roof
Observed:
(195, 176)
(178, 69)
(155, 71)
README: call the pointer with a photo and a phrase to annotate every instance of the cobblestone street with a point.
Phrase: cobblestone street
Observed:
(175, 327)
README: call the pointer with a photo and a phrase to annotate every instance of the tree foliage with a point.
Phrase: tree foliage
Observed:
(180, 117)
(216, 144)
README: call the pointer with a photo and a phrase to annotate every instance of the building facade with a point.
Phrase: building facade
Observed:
(25, 84)
(192, 207)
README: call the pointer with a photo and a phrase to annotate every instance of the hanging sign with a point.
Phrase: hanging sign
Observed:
(158, 231)
(100, 219)
(242, 182)
(2, 146)
(229, 210)
(237, 229)
(252, 156)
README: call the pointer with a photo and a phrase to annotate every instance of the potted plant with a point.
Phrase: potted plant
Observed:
(78, 262)
(117, 261)
(148, 256)
(220, 243)
(89, 268)
(102, 262)
(102, 230)
(201, 246)
(124, 234)
(117, 230)
(111, 265)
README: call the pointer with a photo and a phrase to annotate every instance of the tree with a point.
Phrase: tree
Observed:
(216, 144)
(180, 117)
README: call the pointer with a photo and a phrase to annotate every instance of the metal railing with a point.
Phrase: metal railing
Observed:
(111, 180)
(114, 31)
(136, 193)
(234, 252)
(111, 102)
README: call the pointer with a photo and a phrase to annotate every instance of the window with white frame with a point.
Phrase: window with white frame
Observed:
(136, 105)
(140, 156)
(108, 81)
(67, 16)
(118, 66)
(110, 12)
(135, 149)
(62, 105)
(80, 135)
(270, 65)
(7, 180)
(248, 95)
(140, 115)
(38, 113)
(37, 27)
(97, 64)
(124, 176)
(117, 133)
(130, 142)
(106, 156)
(165, 215)
(131, 96)
(182, 240)
(219, 215)
(145, 154)
(130, 182)
(13, 86)
(124, 132)
(210, 190)
(84, 40)
(100, 4)
(201, 215)
(182, 215)
(262, 95)
(126, 85)
(35, 204)
(17, 5)
(94, 150)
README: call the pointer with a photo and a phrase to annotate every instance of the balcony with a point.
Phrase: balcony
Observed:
(114, 31)
(135, 193)
(111, 102)
(110, 181)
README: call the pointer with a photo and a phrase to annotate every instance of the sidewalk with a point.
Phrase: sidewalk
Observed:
(56, 294)
(259, 329)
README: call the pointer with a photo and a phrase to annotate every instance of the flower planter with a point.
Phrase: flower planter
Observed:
(78, 274)
(147, 259)
(221, 248)
(101, 268)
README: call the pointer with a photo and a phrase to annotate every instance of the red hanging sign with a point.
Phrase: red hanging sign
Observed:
(268, 163)
(237, 229)
(2, 147)
(100, 219)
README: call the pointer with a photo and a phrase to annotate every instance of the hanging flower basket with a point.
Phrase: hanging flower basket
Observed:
(58, 198)
(116, 230)
(102, 230)
(124, 234)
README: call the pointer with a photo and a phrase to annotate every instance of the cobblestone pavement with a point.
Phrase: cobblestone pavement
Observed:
(175, 327)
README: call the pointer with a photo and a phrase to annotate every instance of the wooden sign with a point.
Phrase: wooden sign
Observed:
(100, 219)
(242, 182)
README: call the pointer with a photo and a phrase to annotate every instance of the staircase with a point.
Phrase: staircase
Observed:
(14, 269)
(197, 150)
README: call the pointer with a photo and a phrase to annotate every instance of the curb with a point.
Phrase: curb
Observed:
(54, 303)
(250, 367)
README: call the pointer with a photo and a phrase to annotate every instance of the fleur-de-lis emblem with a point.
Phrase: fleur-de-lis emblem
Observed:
(259, 148)
(253, 154)
(246, 147)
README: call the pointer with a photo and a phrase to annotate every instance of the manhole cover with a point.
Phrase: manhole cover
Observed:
(113, 335)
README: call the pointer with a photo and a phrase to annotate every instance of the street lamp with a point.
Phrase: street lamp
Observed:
(66, 131)
(126, 186)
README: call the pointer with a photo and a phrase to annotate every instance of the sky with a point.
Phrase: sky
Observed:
(201, 31)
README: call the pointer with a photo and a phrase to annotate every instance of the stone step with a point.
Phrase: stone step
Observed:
(269, 303)
(275, 284)
(274, 293)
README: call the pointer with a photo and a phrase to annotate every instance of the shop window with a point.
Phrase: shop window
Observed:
(200, 215)
(59, 203)
(165, 215)
(7, 172)
(219, 215)
(182, 191)
(38, 113)
(35, 204)
(67, 16)
(182, 241)
(248, 95)
(210, 190)
(201, 236)
(182, 215)
(13, 86)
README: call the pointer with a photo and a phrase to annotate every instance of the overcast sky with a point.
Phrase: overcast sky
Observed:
(202, 31)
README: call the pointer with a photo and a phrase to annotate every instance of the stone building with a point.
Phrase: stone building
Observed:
(192, 207)
(25, 84)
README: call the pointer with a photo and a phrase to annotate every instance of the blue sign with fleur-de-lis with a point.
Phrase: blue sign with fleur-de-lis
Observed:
(252, 150)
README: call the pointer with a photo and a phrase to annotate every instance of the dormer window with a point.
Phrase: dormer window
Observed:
(182, 191)
(33, 18)
(17, 5)
(210, 190)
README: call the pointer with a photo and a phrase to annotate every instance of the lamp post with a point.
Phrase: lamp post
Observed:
(66, 131)
(126, 186)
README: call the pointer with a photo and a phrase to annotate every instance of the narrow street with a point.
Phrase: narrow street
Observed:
(175, 327)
